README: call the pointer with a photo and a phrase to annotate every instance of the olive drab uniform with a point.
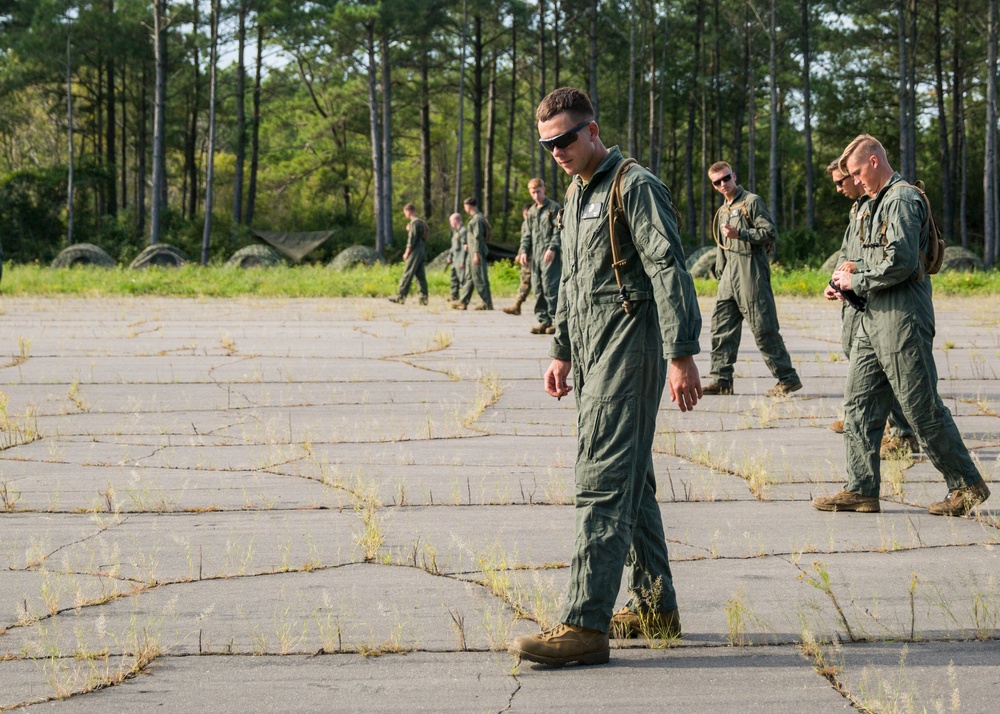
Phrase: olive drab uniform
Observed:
(476, 235)
(745, 290)
(892, 353)
(619, 368)
(457, 256)
(417, 233)
(525, 286)
(850, 249)
(543, 235)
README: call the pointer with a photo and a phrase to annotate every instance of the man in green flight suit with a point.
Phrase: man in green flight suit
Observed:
(417, 233)
(541, 243)
(476, 272)
(525, 286)
(617, 341)
(892, 353)
(744, 232)
(456, 256)
(900, 441)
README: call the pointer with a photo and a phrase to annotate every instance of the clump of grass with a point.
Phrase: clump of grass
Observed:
(16, 429)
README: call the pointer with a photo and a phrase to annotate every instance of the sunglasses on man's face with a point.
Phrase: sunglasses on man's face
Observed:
(840, 183)
(724, 179)
(565, 139)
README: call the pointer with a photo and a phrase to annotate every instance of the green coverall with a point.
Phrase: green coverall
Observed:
(525, 286)
(543, 235)
(417, 233)
(457, 257)
(745, 290)
(892, 352)
(850, 249)
(476, 235)
(619, 367)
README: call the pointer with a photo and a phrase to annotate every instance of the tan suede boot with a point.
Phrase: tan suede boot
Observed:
(563, 645)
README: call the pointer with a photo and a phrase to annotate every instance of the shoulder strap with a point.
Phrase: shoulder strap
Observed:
(616, 210)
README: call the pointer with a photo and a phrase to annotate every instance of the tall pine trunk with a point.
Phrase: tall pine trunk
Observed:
(111, 204)
(425, 130)
(990, 155)
(461, 113)
(772, 35)
(947, 189)
(511, 113)
(69, 134)
(255, 127)
(206, 236)
(692, 115)
(542, 159)
(376, 140)
(592, 53)
(159, 119)
(491, 104)
(241, 114)
(386, 135)
(477, 109)
(191, 138)
(807, 119)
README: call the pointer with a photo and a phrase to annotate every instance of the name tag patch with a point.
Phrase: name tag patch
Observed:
(734, 212)
(593, 210)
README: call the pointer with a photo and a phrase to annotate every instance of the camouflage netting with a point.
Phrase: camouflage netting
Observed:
(697, 253)
(704, 267)
(294, 245)
(830, 264)
(354, 256)
(959, 259)
(255, 256)
(162, 255)
(440, 262)
(83, 254)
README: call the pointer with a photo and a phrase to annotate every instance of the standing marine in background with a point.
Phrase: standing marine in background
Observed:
(542, 244)
(477, 276)
(417, 233)
(456, 256)
(525, 287)
(744, 232)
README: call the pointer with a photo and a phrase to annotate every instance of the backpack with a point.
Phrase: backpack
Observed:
(935, 243)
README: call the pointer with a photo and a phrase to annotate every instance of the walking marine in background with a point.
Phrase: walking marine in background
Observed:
(892, 353)
(525, 287)
(456, 256)
(417, 233)
(541, 245)
(900, 441)
(744, 233)
(617, 342)
(477, 233)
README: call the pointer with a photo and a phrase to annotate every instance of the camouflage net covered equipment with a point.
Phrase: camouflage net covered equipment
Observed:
(354, 256)
(704, 267)
(959, 259)
(160, 254)
(440, 261)
(690, 260)
(83, 254)
(255, 256)
(295, 246)
(831, 263)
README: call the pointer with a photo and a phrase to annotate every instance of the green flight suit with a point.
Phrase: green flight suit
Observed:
(892, 352)
(542, 236)
(745, 290)
(456, 257)
(476, 235)
(417, 233)
(850, 249)
(619, 368)
(525, 287)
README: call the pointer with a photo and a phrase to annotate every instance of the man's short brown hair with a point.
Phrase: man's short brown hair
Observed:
(410, 208)
(471, 201)
(568, 100)
(834, 165)
(535, 182)
(865, 143)
(719, 166)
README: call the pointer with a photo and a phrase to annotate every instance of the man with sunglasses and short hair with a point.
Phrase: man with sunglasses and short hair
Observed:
(618, 353)
(744, 233)
(900, 441)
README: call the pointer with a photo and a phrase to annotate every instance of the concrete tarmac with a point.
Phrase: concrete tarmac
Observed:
(349, 505)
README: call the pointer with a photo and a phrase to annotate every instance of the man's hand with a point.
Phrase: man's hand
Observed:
(550, 255)
(475, 258)
(731, 232)
(685, 383)
(521, 259)
(555, 378)
(843, 279)
(848, 266)
(830, 294)
(406, 254)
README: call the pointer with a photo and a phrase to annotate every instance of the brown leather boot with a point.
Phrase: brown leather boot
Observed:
(961, 500)
(659, 624)
(563, 645)
(847, 501)
(514, 309)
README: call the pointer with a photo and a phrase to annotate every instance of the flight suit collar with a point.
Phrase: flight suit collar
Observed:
(607, 164)
(740, 192)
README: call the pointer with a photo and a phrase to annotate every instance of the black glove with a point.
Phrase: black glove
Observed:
(853, 299)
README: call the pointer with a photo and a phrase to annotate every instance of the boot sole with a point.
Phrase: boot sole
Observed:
(589, 658)
(857, 509)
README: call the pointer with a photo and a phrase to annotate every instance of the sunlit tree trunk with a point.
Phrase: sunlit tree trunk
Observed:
(159, 119)
(206, 236)
(947, 189)
(255, 127)
(990, 158)
(241, 114)
(807, 119)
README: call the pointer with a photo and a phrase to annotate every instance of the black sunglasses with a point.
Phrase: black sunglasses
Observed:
(565, 139)
(719, 182)
(840, 183)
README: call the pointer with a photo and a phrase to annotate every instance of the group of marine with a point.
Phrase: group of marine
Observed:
(613, 290)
